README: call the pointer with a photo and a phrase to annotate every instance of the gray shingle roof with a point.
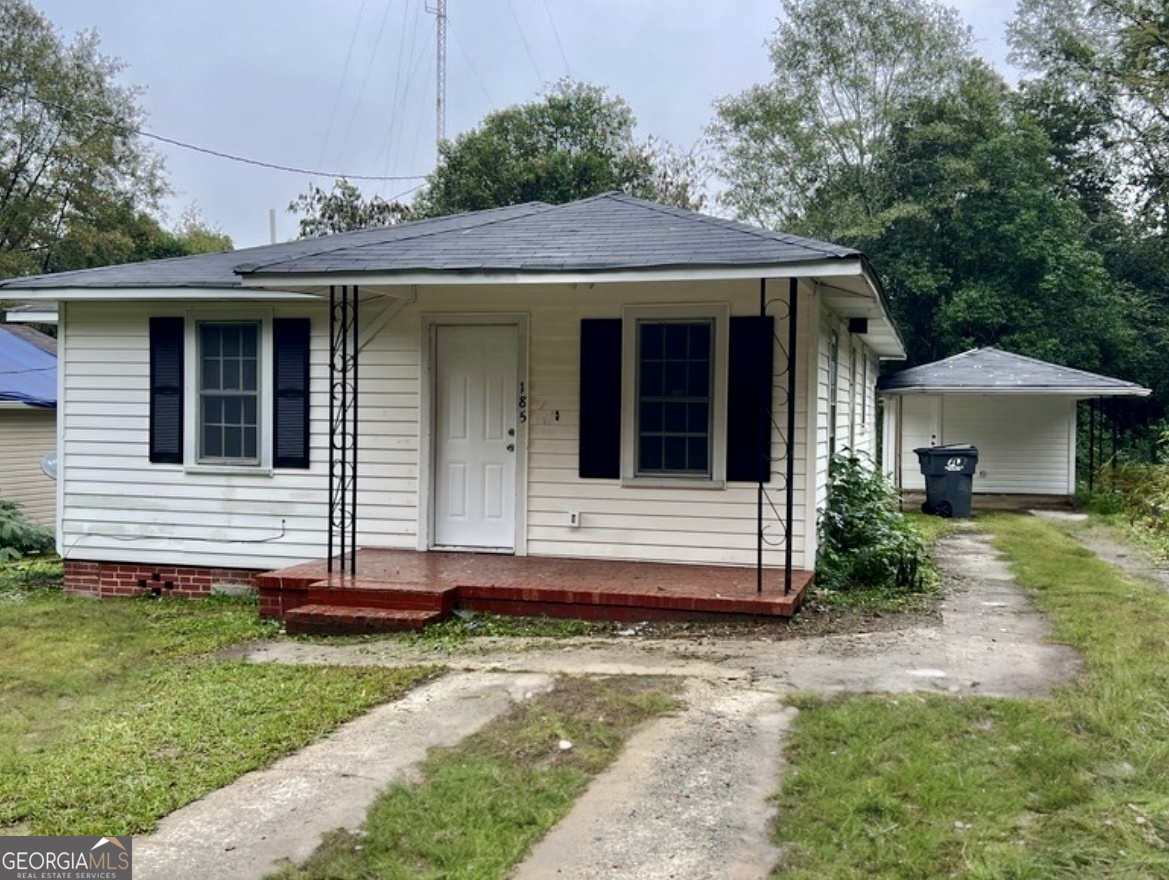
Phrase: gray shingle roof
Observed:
(609, 232)
(991, 369)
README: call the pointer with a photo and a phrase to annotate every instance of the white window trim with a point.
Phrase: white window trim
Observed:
(191, 429)
(720, 314)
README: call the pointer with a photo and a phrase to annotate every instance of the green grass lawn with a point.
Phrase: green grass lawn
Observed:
(115, 713)
(931, 787)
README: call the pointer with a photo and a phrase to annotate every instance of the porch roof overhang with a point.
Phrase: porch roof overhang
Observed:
(848, 286)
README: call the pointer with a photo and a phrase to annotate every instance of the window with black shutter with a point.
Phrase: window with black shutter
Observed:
(230, 400)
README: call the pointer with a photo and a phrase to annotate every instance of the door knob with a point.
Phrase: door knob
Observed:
(511, 447)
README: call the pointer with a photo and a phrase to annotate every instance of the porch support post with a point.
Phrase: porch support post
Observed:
(343, 341)
(766, 457)
(790, 452)
(1091, 444)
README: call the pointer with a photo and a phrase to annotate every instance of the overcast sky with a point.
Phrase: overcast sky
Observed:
(349, 85)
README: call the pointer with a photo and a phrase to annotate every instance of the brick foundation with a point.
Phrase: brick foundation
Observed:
(103, 580)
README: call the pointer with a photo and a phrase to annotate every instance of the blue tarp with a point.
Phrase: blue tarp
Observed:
(27, 373)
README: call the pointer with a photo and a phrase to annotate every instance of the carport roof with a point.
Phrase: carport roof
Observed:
(993, 371)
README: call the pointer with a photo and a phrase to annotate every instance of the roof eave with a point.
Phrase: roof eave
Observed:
(826, 268)
(1032, 390)
(208, 293)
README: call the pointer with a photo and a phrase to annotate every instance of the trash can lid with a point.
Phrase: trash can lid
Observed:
(948, 449)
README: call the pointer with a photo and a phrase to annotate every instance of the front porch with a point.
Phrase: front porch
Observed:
(403, 589)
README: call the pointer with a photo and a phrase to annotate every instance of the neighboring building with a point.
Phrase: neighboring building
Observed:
(606, 379)
(28, 420)
(1018, 411)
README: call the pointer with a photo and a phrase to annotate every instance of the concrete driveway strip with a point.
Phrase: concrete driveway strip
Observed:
(244, 831)
(687, 799)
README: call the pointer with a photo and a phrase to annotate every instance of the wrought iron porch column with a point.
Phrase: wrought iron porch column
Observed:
(343, 410)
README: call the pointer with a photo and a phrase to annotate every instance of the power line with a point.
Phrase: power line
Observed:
(219, 154)
(341, 84)
(556, 35)
(524, 39)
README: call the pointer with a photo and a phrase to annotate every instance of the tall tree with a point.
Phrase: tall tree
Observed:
(576, 141)
(1105, 64)
(799, 151)
(70, 162)
(981, 248)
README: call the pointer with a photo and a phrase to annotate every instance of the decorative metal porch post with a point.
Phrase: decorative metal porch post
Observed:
(343, 336)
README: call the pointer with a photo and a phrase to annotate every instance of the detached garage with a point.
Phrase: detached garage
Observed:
(1020, 412)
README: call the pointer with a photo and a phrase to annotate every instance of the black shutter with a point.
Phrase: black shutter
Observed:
(166, 390)
(600, 398)
(290, 363)
(749, 368)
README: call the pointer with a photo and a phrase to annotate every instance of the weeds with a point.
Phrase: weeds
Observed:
(865, 541)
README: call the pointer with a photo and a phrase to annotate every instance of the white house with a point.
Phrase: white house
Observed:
(606, 379)
(1018, 411)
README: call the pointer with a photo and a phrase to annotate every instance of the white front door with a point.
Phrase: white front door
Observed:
(475, 436)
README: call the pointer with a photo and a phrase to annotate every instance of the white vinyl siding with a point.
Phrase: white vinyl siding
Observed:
(662, 523)
(1026, 443)
(26, 435)
(118, 506)
(1023, 442)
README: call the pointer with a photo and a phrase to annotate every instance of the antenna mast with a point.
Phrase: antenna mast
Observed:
(439, 12)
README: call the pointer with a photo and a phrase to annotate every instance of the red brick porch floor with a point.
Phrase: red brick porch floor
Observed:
(403, 589)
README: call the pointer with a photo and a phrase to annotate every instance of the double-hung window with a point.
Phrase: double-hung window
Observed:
(229, 392)
(675, 375)
(674, 393)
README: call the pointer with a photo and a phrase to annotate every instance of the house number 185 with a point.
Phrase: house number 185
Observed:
(523, 403)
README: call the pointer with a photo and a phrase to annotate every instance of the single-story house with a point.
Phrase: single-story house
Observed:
(609, 379)
(28, 420)
(1018, 411)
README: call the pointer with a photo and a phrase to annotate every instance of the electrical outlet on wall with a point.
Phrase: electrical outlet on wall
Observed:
(574, 519)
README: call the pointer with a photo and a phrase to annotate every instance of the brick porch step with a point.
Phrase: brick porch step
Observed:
(336, 620)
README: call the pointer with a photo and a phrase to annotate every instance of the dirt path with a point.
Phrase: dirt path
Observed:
(688, 797)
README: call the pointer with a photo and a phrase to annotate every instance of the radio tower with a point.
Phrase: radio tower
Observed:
(439, 12)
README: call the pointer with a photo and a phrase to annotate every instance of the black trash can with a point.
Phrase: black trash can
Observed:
(949, 478)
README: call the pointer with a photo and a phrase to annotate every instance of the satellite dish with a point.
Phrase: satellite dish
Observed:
(49, 464)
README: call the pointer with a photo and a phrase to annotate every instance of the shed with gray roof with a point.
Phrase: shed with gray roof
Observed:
(1019, 411)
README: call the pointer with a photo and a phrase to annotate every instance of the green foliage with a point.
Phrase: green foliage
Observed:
(343, 209)
(29, 575)
(576, 141)
(865, 541)
(933, 786)
(800, 152)
(70, 168)
(118, 712)
(18, 536)
(1140, 492)
(980, 249)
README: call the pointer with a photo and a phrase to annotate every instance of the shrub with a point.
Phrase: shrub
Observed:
(18, 536)
(1139, 491)
(865, 541)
